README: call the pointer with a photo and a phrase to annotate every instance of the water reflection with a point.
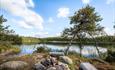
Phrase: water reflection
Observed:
(88, 51)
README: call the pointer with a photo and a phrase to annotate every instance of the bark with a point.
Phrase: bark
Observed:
(80, 45)
(96, 44)
(70, 43)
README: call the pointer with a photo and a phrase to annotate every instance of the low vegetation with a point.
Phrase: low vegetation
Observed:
(8, 47)
(42, 49)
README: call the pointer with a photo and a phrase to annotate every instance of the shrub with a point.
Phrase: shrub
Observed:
(42, 49)
(111, 56)
(4, 46)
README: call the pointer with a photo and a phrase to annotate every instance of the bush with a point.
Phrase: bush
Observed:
(4, 46)
(111, 56)
(42, 49)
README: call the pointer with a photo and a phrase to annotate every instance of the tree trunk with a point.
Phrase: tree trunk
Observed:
(80, 45)
(96, 44)
(67, 50)
(70, 43)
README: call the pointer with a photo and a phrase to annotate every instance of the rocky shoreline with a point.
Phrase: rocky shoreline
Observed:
(43, 61)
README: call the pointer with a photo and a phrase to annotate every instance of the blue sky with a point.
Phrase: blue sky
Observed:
(46, 18)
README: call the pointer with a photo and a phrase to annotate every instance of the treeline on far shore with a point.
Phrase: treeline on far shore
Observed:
(61, 40)
(18, 40)
(15, 39)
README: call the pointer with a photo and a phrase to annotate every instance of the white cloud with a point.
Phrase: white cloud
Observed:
(110, 1)
(58, 34)
(50, 20)
(63, 12)
(21, 9)
(109, 31)
(86, 1)
(24, 25)
(41, 34)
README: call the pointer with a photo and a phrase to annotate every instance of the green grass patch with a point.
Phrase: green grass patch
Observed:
(6, 46)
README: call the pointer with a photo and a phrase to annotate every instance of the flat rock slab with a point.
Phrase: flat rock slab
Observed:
(13, 65)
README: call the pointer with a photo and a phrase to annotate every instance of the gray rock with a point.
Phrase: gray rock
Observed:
(39, 66)
(66, 60)
(49, 62)
(13, 65)
(63, 66)
(87, 66)
(46, 62)
(52, 68)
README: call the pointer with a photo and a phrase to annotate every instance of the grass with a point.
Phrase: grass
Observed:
(76, 60)
(8, 47)
(15, 49)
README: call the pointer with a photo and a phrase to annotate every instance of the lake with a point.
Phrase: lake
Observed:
(87, 51)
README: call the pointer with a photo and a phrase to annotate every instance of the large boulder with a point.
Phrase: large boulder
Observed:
(14, 65)
(66, 60)
(39, 66)
(86, 66)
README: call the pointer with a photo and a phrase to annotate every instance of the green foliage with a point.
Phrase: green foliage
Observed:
(84, 24)
(102, 40)
(6, 34)
(3, 29)
(84, 21)
(42, 50)
(30, 40)
(111, 55)
(6, 46)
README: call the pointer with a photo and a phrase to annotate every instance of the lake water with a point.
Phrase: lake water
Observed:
(87, 51)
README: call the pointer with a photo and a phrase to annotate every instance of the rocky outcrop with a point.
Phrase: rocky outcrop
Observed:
(50, 64)
(13, 65)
